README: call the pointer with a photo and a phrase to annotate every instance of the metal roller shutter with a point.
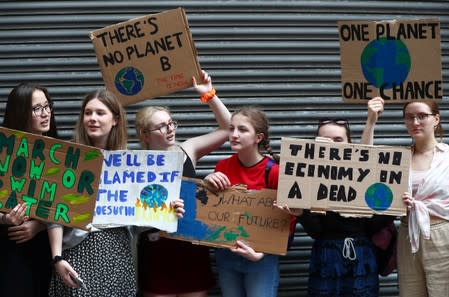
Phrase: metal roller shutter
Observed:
(280, 55)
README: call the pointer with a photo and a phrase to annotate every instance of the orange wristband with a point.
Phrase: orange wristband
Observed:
(209, 95)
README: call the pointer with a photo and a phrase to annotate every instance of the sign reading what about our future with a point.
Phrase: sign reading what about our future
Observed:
(221, 218)
(147, 57)
(398, 60)
(58, 180)
(352, 179)
(136, 188)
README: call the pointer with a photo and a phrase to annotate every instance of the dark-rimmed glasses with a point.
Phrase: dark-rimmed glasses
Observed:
(39, 109)
(164, 128)
(409, 118)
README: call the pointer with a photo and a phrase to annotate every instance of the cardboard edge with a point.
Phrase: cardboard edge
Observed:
(191, 43)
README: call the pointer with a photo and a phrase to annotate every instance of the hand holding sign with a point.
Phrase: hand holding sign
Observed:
(218, 180)
(15, 216)
(206, 84)
(244, 250)
(375, 109)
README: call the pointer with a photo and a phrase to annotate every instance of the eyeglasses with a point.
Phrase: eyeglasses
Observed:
(409, 118)
(39, 109)
(340, 122)
(164, 128)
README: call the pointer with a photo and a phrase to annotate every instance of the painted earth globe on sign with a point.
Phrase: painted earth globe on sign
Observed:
(129, 81)
(378, 197)
(385, 63)
(154, 195)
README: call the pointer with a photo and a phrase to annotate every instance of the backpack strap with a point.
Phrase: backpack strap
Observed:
(267, 170)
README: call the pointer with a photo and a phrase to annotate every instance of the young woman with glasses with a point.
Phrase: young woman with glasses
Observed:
(423, 258)
(25, 249)
(168, 267)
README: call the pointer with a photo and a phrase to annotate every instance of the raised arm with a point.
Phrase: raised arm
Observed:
(199, 146)
(375, 108)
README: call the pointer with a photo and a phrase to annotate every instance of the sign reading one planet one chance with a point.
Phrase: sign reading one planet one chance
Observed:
(398, 60)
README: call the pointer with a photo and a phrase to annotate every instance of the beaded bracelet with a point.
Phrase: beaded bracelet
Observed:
(209, 95)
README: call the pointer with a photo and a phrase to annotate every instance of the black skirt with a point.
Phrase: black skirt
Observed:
(104, 261)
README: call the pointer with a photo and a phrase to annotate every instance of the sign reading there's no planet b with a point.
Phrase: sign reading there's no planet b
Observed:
(352, 179)
(398, 60)
(136, 188)
(147, 57)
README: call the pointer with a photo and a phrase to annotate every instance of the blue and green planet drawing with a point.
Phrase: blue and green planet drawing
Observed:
(129, 81)
(379, 197)
(385, 63)
(154, 195)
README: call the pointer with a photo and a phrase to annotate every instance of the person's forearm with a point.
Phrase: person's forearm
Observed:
(368, 134)
(221, 112)
(55, 235)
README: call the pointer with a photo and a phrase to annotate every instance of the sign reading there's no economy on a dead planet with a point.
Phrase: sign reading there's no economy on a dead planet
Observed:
(352, 179)
(398, 60)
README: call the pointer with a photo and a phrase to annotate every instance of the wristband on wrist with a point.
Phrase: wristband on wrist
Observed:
(56, 259)
(209, 95)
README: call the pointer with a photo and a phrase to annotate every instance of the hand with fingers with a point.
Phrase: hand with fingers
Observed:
(178, 205)
(218, 180)
(292, 211)
(246, 251)
(409, 201)
(16, 216)
(26, 231)
(375, 109)
(205, 85)
(67, 274)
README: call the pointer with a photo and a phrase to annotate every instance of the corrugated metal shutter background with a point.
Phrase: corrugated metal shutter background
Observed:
(281, 55)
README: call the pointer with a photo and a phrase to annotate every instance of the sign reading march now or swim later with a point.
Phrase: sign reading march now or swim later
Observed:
(57, 179)
(137, 187)
(147, 57)
(397, 60)
(352, 179)
(219, 219)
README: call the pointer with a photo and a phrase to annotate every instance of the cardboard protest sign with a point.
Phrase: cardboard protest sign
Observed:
(137, 187)
(147, 57)
(219, 219)
(352, 179)
(57, 179)
(398, 60)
